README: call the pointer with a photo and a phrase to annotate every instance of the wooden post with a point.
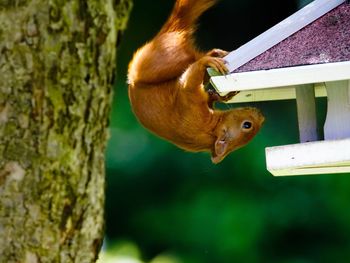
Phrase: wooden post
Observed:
(306, 107)
(337, 124)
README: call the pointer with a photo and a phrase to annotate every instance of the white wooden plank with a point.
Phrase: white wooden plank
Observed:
(337, 124)
(336, 169)
(279, 32)
(309, 158)
(306, 107)
(282, 93)
(282, 77)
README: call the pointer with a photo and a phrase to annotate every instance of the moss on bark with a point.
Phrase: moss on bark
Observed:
(57, 61)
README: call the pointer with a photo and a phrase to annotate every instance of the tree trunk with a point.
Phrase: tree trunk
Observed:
(57, 61)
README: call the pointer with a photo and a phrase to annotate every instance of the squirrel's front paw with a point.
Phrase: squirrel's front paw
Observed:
(229, 95)
(214, 96)
(216, 63)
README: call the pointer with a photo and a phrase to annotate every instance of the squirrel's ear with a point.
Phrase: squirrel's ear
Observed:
(220, 148)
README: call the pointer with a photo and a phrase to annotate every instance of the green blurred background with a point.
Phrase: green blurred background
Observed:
(166, 205)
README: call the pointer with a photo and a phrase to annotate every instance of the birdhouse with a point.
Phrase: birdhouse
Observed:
(305, 56)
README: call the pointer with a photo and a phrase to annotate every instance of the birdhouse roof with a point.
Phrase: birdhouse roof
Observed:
(325, 40)
(309, 47)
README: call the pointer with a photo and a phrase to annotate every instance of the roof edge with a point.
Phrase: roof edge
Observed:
(282, 77)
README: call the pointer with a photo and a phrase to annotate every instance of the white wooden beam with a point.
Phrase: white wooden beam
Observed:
(281, 77)
(279, 32)
(309, 158)
(337, 124)
(282, 93)
(306, 107)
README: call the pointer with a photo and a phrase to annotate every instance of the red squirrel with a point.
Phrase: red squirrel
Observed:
(166, 80)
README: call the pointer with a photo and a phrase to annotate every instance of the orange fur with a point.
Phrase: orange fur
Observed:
(166, 89)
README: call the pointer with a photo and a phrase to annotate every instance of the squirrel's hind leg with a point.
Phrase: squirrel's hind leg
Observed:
(164, 59)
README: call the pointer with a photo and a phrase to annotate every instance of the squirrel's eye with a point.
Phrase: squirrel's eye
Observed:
(247, 125)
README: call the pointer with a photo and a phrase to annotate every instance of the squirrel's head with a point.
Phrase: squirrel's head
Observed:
(234, 130)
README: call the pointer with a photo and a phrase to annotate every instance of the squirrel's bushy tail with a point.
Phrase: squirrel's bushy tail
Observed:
(185, 14)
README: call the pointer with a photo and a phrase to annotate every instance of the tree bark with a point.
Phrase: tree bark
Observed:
(57, 62)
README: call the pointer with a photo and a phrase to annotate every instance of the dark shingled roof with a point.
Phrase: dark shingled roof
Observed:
(325, 40)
